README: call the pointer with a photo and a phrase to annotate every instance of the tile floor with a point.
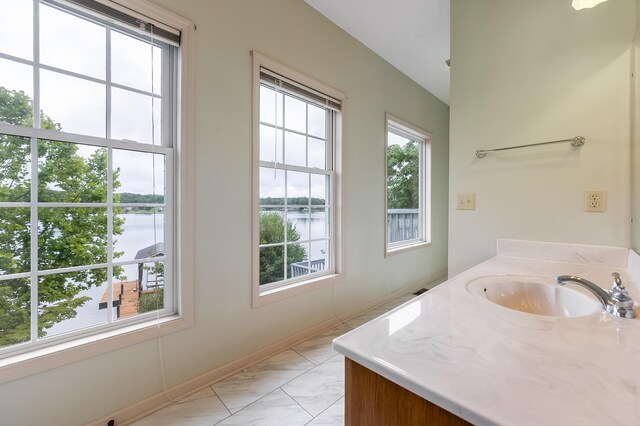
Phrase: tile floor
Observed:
(303, 385)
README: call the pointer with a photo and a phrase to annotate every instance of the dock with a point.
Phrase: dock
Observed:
(125, 299)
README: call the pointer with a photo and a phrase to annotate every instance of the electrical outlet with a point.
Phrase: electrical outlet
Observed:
(594, 200)
(466, 202)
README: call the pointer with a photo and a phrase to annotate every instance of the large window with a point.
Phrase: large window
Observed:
(296, 145)
(407, 186)
(87, 136)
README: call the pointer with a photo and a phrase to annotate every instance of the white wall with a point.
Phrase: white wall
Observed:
(226, 327)
(533, 71)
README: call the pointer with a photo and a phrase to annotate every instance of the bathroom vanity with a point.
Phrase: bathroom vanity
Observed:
(532, 352)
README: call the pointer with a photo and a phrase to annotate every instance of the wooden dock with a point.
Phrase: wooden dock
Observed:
(125, 299)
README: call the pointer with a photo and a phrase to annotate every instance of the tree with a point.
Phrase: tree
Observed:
(66, 236)
(272, 258)
(403, 174)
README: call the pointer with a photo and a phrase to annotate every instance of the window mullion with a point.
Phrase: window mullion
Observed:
(110, 235)
(109, 178)
(34, 174)
(108, 82)
(34, 240)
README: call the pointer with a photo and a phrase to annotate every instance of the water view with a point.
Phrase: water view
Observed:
(138, 234)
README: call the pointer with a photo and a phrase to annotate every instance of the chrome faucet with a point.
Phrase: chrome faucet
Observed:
(616, 301)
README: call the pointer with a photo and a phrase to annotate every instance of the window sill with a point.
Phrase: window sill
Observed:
(36, 361)
(285, 292)
(394, 250)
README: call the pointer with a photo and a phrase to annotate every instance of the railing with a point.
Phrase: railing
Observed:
(402, 225)
(304, 268)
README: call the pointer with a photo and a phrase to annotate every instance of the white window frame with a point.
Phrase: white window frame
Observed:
(288, 288)
(400, 127)
(78, 346)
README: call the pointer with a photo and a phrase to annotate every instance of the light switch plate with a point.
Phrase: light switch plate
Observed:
(466, 202)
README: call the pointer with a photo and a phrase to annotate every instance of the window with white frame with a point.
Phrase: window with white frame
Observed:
(295, 171)
(407, 186)
(88, 112)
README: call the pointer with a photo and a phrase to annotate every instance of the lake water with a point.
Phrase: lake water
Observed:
(139, 233)
(313, 227)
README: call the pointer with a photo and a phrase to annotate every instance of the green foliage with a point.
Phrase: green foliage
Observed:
(66, 236)
(403, 174)
(293, 201)
(151, 301)
(272, 258)
(127, 197)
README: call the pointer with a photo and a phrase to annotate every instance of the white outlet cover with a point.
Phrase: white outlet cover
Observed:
(595, 200)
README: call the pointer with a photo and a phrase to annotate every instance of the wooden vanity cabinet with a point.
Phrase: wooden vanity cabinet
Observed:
(372, 400)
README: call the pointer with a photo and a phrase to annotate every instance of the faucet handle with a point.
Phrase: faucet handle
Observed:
(617, 281)
(621, 298)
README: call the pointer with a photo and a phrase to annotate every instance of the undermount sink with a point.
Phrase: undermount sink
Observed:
(533, 295)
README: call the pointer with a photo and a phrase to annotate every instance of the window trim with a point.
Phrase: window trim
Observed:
(262, 297)
(406, 128)
(44, 358)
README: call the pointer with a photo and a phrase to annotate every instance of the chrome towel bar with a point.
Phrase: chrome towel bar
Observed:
(577, 142)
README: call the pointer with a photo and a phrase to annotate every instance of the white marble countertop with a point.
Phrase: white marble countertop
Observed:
(495, 366)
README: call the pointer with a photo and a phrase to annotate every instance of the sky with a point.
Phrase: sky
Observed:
(288, 147)
(79, 46)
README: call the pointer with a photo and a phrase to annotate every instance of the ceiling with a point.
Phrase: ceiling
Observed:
(412, 35)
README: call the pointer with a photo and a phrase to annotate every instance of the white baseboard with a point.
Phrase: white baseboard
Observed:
(160, 400)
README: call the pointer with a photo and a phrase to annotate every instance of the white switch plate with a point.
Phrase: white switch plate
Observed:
(595, 200)
(466, 202)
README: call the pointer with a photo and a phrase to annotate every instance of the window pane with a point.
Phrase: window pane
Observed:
(131, 117)
(15, 311)
(72, 43)
(131, 63)
(137, 289)
(297, 188)
(317, 153)
(272, 226)
(319, 187)
(16, 28)
(16, 108)
(319, 255)
(297, 260)
(71, 173)
(77, 105)
(15, 165)
(138, 232)
(138, 177)
(403, 188)
(319, 223)
(268, 107)
(269, 150)
(298, 221)
(271, 186)
(295, 112)
(15, 241)
(271, 264)
(71, 237)
(403, 173)
(317, 121)
(71, 301)
(295, 149)
(151, 279)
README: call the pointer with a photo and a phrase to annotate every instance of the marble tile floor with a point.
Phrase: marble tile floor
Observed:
(303, 385)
